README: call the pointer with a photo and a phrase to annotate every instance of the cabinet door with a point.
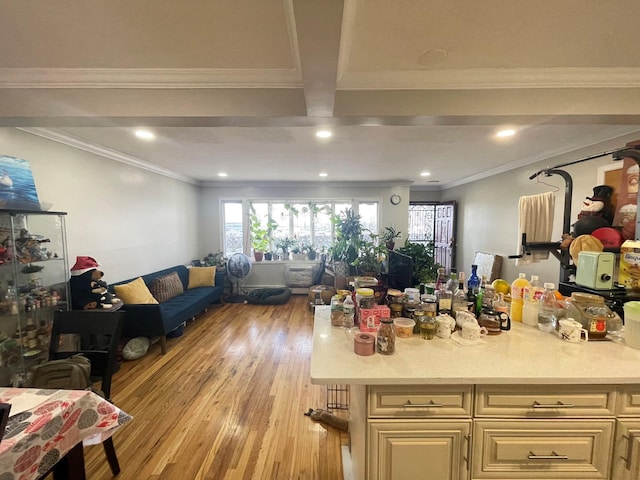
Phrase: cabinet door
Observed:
(418, 449)
(542, 449)
(626, 457)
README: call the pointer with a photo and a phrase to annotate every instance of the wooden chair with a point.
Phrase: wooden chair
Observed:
(95, 335)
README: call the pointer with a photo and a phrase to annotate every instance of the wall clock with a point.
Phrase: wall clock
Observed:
(395, 199)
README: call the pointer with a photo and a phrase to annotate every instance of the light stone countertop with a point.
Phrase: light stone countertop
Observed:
(523, 355)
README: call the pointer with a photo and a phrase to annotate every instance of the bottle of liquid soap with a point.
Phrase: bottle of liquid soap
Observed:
(517, 288)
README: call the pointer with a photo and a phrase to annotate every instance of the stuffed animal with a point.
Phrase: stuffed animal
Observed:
(597, 212)
(88, 290)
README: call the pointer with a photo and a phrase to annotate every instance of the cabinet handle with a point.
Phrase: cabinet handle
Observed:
(627, 460)
(536, 404)
(466, 459)
(553, 456)
(431, 404)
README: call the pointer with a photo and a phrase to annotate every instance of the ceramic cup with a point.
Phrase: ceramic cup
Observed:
(572, 331)
(463, 317)
(444, 326)
(473, 331)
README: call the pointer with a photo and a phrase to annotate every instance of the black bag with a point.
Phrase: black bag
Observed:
(65, 374)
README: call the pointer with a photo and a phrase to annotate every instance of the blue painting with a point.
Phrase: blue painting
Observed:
(17, 188)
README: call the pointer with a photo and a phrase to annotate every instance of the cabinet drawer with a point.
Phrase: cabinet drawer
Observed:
(629, 401)
(419, 401)
(538, 401)
(542, 449)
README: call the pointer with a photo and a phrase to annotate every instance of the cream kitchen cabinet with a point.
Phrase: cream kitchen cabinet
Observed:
(626, 456)
(419, 432)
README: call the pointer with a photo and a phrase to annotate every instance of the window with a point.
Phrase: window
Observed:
(307, 221)
(232, 220)
(421, 222)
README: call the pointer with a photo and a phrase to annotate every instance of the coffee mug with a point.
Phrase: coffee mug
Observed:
(473, 331)
(572, 331)
(444, 326)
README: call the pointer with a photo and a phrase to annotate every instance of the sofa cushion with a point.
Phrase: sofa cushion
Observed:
(202, 277)
(166, 287)
(134, 292)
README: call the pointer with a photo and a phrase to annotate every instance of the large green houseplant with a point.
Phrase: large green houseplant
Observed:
(425, 268)
(348, 240)
(260, 234)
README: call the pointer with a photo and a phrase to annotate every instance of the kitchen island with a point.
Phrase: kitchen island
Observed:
(523, 404)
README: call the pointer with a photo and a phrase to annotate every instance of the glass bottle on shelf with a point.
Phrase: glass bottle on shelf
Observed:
(459, 300)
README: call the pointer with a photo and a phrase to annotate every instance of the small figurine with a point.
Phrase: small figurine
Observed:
(88, 290)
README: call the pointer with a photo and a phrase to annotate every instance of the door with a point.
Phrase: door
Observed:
(419, 449)
(444, 236)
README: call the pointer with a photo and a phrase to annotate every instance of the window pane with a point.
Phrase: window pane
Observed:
(232, 241)
(369, 216)
(281, 216)
(301, 222)
(321, 224)
(421, 223)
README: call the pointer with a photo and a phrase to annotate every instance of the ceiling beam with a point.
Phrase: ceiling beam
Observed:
(318, 30)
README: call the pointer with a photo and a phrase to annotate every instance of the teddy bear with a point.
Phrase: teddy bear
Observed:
(88, 290)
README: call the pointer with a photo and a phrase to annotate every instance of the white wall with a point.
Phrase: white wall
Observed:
(130, 220)
(488, 208)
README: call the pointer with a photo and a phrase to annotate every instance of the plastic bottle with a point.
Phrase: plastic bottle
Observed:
(459, 301)
(548, 309)
(452, 283)
(517, 288)
(11, 297)
(348, 312)
(530, 300)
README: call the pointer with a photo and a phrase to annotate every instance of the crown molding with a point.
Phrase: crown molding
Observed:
(296, 184)
(490, 78)
(74, 142)
(149, 78)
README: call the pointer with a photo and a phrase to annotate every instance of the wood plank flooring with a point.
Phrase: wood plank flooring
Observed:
(225, 402)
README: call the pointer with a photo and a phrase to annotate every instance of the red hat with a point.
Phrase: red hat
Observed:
(83, 265)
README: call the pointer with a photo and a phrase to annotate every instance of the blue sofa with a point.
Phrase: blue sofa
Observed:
(158, 320)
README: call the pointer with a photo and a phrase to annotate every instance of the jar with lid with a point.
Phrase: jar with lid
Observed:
(386, 339)
(336, 310)
(365, 298)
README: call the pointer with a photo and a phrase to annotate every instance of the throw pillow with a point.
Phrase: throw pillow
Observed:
(202, 277)
(166, 287)
(134, 292)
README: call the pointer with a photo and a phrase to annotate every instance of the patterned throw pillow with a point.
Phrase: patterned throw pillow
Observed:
(166, 287)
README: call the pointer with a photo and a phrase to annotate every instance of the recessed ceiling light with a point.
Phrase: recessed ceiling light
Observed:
(507, 132)
(323, 134)
(222, 174)
(425, 174)
(145, 134)
(323, 174)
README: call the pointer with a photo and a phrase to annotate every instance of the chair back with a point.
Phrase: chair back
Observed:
(93, 334)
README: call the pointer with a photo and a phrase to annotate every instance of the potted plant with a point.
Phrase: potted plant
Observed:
(215, 260)
(285, 245)
(297, 252)
(388, 237)
(345, 249)
(370, 257)
(260, 235)
(425, 268)
(310, 250)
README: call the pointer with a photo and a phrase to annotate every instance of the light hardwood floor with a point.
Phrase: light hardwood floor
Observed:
(225, 402)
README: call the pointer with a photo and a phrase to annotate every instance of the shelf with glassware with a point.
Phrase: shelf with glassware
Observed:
(34, 278)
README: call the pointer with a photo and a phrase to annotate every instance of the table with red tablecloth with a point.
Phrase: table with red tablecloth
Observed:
(47, 424)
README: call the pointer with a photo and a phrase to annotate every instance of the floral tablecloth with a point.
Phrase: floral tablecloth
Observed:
(46, 424)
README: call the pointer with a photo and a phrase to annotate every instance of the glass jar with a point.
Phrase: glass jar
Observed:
(336, 310)
(386, 339)
(365, 298)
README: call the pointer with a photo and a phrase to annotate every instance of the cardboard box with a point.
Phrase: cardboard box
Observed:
(629, 266)
(369, 318)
